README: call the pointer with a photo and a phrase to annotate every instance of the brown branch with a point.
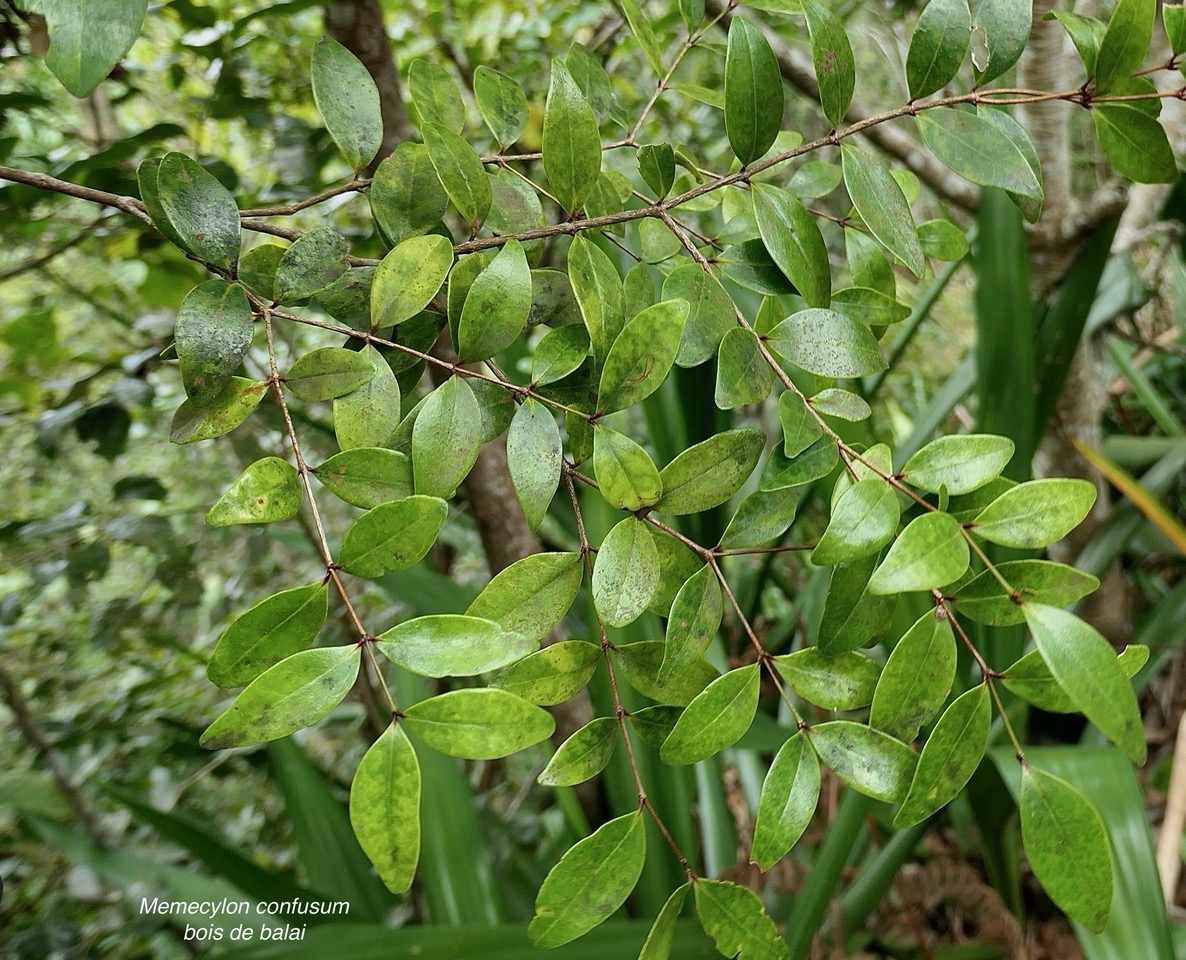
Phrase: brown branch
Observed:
(43, 181)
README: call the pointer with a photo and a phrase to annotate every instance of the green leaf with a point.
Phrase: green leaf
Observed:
(558, 354)
(452, 645)
(654, 724)
(979, 151)
(641, 356)
(229, 409)
(348, 101)
(212, 336)
(827, 343)
(743, 375)
(1174, 18)
(1032, 680)
(272, 630)
(984, 600)
(314, 261)
(863, 521)
(502, 103)
(709, 473)
(814, 463)
(461, 172)
(1067, 847)
(627, 477)
(534, 456)
(960, 464)
(367, 476)
(329, 372)
(200, 210)
(938, 46)
(793, 239)
(583, 755)
(695, 618)
(408, 278)
(1134, 143)
(656, 163)
(552, 675)
(590, 882)
(478, 724)
(385, 808)
(1125, 42)
(868, 306)
(87, 41)
(1085, 666)
(640, 26)
(843, 681)
(571, 141)
(496, 306)
(641, 663)
(869, 265)
(1003, 26)
(929, 553)
(532, 595)
(711, 313)
(368, 416)
(717, 718)
(267, 491)
(662, 936)
(1086, 34)
(916, 678)
(599, 292)
(406, 196)
(831, 53)
(625, 573)
(299, 691)
(800, 428)
(392, 536)
(446, 438)
(841, 404)
(753, 92)
(435, 94)
(1035, 514)
(869, 761)
(761, 517)
(592, 80)
(737, 922)
(942, 240)
(789, 796)
(882, 205)
(950, 756)
(814, 179)
(853, 615)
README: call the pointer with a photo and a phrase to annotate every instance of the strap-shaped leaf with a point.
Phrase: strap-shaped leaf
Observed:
(532, 595)
(267, 491)
(695, 617)
(590, 882)
(461, 172)
(478, 724)
(626, 475)
(753, 92)
(87, 40)
(843, 681)
(737, 922)
(1036, 513)
(793, 239)
(392, 536)
(916, 678)
(625, 573)
(269, 632)
(571, 141)
(789, 796)
(212, 336)
(385, 808)
(502, 103)
(929, 553)
(869, 761)
(348, 101)
(295, 693)
(938, 46)
(882, 205)
(642, 355)
(446, 438)
(583, 755)
(451, 645)
(717, 718)
(551, 675)
(708, 473)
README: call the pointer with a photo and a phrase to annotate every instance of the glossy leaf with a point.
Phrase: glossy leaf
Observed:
(267, 491)
(295, 693)
(717, 718)
(881, 204)
(385, 808)
(641, 357)
(1125, 42)
(348, 101)
(626, 475)
(863, 521)
(814, 463)
(844, 681)
(793, 239)
(552, 675)
(598, 290)
(984, 600)
(315, 260)
(789, 797)
(446, 438)
(559, 353)
(737, 922)
(451, 645)
(461, 172)
(753, 92)
(656, 163)
(532, 595)
(408, 278)
(272, 630)
(915, 679)
(213, 335)
(695, 618)
(869, 761)
(1134, 143)
(1035, 514)
(743, 375)
(831, 52)
(709, 473)
(625, 573)
(502, 103)
(571, 141)
(853, 615)
(534, 456)
(929, 553)
(960, 464)
(641, 663)
(392, 536)
(800, 427)
(200, 210)
(367, 476)
(841, 405)
(827, 343)
(640, 26)
(938, 46)
(761, 517)
(478, 724)
(583, 755)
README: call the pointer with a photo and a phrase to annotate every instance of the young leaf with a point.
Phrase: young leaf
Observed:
(869, 761)
(1036, 513)
(435, 94)
(916, 678)
(366, 476)
(552, 675)
(532, 595)
(502, 103)
(659, 941)
(408, 278)
(451, 645)
(478, 724)
(938, 46)
(950, 756)
(708, 473)
(641, 356)
(711, 313)
(406, 196)
(1067, 847)
(863, 521)
(534, 456)
(272, 630)
(315, 260)
(200, 210)
(626, 475)
(1038, 581)
(753, 92)
(571, 141)
(267, 491)
(743, 375)
(625, 573)
(793, 239)
(583, 755)
(844, 681)
(831, 52)
(385, 808)
(446, 438)
(461, 172)
(737, 922)
(929, 553)
(717, 718)
(978, 151)
(656, 163)
(213, 335)
(392, 536)
(827, 343)
(368, 416)
(296, 693)
(880, 202)
(496, 306)
(348, 101)
(1085, 666)
(599, 292)
(329, 372)
(641, 663)
(960, 464)
(1003, 26)
(87, 43)
(1125, 43)
(229, 409)
(789, 796)
(695, 617)
(590, 882)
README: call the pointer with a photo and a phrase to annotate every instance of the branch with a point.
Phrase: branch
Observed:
(43, 181)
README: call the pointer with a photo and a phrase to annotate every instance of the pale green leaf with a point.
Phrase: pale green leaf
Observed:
(627, 477)
(496, 306)
(461, 172)
(314, 261)
(267, 491)
(869, 761)
(743, 375)
(385, 808)
(717, 718)
(406, 196)
(408, 278)
(435, 95)
(478, 724)
(1036, 513)
(87, 41)
(787, 803)
(737, 922)
(329, 372)
(929, 553)
(707, 474)
(881, 204)
(534, 457)
(793, 239)
(502, 103)
(366, 476)
(916, 678)
(532, 595)
(446, 438)
(348, 101)
(842, 681)
(863, 521)
(392, 536)
(695, 617)
(272, 630)
(451, 645)
(551, 675)
(984, 600)
(368, 416)
(625, 573)
(960, 464)
(641, 357)
(827, 343)
(583, 755)
(571, 141)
